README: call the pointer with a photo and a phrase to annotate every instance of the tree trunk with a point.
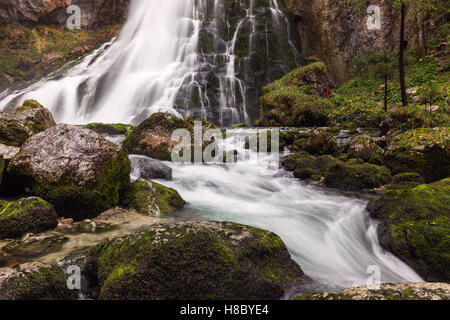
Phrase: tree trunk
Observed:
(401, 63)
(385, 93)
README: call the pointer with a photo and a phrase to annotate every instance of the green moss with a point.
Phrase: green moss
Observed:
(415, 226)
(356, 176)
(109, 129)
(196, 261)
(26, 215)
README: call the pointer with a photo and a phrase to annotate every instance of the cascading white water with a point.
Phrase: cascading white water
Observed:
(331, 236)
(157, 64)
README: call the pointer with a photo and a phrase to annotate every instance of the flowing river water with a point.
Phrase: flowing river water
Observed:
(150, 67)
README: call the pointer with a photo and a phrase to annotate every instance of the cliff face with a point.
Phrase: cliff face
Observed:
(94, 13)
(336, 33)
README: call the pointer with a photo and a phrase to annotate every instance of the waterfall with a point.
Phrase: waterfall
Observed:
(196, 58)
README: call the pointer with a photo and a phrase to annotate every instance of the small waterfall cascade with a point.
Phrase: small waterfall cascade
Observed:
(195, 58)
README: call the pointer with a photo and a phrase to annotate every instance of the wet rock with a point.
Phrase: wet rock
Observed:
(23, 122)
(151, 169)
(34, 281)
(387, 291)
(153, 199)
(31, 10)
(26, 215)
(425, 151)
(31, 245)
(75, 169)
(356, 176)
(86, 226)
(196, 260)
(415, 224)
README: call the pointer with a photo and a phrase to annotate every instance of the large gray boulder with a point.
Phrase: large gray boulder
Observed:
(77, 170)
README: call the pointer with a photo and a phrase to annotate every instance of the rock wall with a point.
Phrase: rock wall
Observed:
(336, 33)
(94, 13)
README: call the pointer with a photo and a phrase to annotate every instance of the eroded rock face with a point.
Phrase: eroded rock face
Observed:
(23, 122)
(34, 281)
(387, 291)
(415, 226)
(26, 215)
(75, 169)
(94, 13)
(195, 260)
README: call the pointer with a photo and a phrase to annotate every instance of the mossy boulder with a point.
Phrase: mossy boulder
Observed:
(320, 142)
(109, 129)
(400, 119)
(425, 151)
(194, 260)
(406, 180)
(77, 170)
(26, 215)
(353, 175)
(306, 166)
(415, 226)
(34, 281)
(292, 101)
(153, 137)
(387, 291)
(365, 147)
(23, 122)
(150, 198)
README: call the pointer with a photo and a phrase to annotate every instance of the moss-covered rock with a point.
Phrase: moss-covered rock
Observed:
(34, 281)
(320, 142)
(23, 122)
(109, 129)
(425, 151)
(306, 166)
(364, 147)
(387, 291)
(406, 180)
(77, 170)
(292, 101)
(153, 137)
(26, 215)
(410, 117)
(415, 226)
(151, 198)
(195, 260)
(356, 176)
